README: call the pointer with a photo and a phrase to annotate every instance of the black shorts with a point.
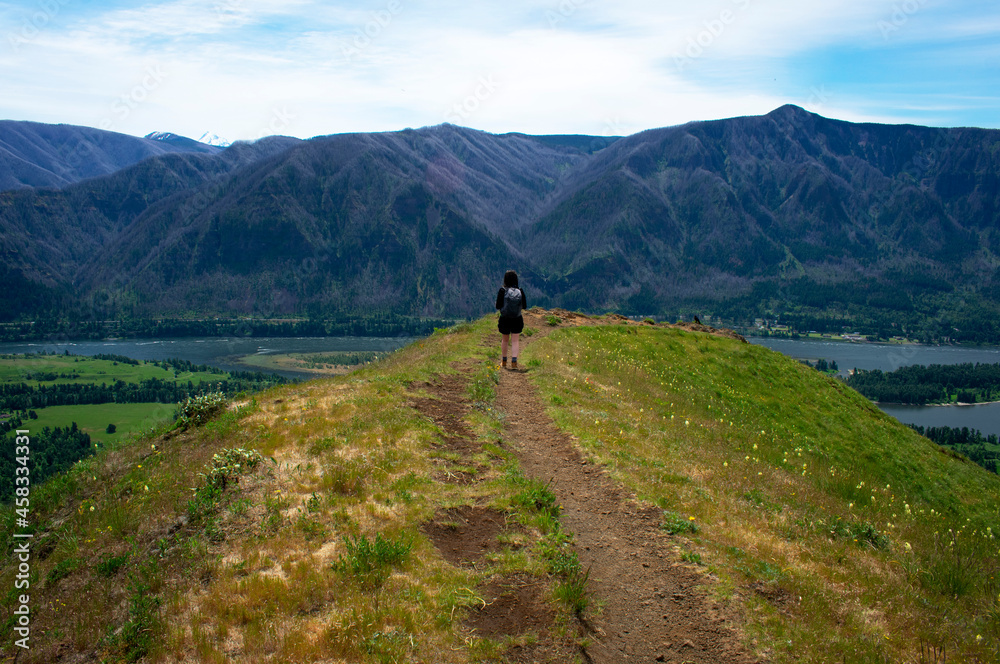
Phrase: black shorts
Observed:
(510, 325)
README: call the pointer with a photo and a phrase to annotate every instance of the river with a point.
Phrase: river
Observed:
(888, 357)
(215, 352)
(222, 353)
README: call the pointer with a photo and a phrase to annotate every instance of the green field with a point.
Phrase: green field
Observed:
(95, 418)
(329, 364)
(49, 370)
(75, 369)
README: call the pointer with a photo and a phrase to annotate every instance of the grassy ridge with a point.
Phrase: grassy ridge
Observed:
(846, 536)
(861, 539)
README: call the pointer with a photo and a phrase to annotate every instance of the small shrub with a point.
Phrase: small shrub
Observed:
(371, 560)
(536, 496)
(862, 533)
(198, 410)
(227, 466)
(109, 567)
(137, 636)
(675, 524)
(62, 569)
(553, 320)
(573, 591)
(224, 469)
(691, 557)
(558, 552)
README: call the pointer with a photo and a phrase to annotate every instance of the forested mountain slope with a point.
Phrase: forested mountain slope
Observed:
(33, 154)
(788, 214)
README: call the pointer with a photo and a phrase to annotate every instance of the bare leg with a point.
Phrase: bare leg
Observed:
(513, 345)
(503, 347)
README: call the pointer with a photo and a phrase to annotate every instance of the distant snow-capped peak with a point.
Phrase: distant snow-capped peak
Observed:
(161, 136)
(208, 138)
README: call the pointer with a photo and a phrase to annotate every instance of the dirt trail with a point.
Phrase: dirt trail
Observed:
(654, 609)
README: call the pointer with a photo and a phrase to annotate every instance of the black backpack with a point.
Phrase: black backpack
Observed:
(511, 303)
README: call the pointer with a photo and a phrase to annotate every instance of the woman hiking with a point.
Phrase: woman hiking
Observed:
(510, 302)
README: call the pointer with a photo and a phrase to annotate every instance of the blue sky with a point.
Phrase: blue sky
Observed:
(247, 68)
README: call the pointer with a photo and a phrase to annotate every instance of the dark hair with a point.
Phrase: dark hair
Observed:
(510, 279)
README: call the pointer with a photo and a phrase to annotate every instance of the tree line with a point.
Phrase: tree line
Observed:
(937, 383)
(970, 442)
(51, 451)
(21, 396)
(357, 326)
(56, 450)
(822, 366)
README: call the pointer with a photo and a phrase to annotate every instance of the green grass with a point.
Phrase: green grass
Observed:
(796, 482)
(78, 369)
(95, 418)
(371, 560)
(675, 524)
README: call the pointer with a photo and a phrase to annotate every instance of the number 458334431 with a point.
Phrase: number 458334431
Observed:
(21, 454)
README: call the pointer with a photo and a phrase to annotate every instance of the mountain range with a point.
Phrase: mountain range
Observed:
(787, 212)
(33, 154)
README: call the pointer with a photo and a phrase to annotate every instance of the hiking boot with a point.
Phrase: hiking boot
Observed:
(513, 365)
(503, 365)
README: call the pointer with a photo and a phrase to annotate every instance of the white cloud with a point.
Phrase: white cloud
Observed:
(186, 18)
(529, 65)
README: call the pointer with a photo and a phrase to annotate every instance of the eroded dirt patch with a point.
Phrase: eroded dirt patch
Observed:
(465, 535)
(514, 605)
(447, 406)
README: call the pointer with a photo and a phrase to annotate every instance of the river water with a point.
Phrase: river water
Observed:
(222, 353)
(888, 357)
(215, 352)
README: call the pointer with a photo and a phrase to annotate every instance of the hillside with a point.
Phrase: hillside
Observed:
(820, 222)
(33, 154)
(637, 490)
(57, 232)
